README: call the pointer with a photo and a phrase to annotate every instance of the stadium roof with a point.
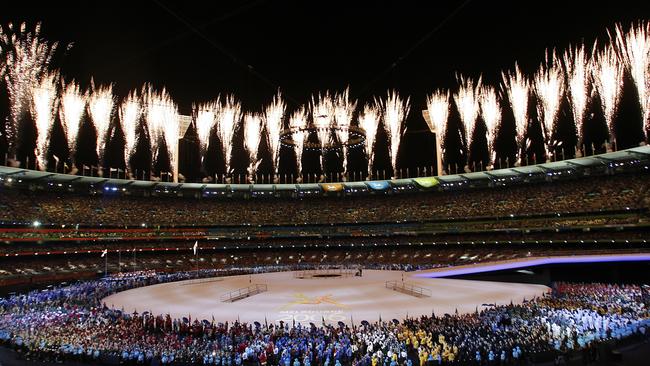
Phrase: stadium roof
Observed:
(613, 159)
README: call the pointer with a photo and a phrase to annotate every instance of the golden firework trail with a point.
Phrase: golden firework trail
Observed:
(130, 111)
(205, 117)
(491, 113)
(101, 103)
(25, 60)
(163, 122)
(369, 122)
(607, 72)
(468, 107)
(394, 110)
(634, 48)
(438, 108)
(322, 109)
(298, 124)
(549, 88)
(228, 119)
(44, 103)
(273, 118)
(73, 104)
(517, 87)
(576, 65)
(343, 110)
(253, 125)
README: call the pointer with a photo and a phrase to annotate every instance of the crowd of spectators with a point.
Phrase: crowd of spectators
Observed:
(71, 323)
(488, 226)
(607, 193)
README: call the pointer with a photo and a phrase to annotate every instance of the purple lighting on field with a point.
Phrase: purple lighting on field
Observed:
(534, 262)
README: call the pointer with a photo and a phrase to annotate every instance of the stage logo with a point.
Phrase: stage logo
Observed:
(302, 299)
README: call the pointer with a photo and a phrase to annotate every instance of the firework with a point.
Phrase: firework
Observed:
(634, 48)
(253, 126)
(73, 103)
(229, 116)
(100, 106)
(395, 110)
(149, 100)
(468, 107)
(516, 86)
(322, 110)
(130, 111)
(205, 116)
(323, 116)
(549, 87)
(438, 108)
(163, 122)
(607, 72)
(491, 113)
(577, 71)
(26, 57)
(369, 121)
(298, 123)
(273, 117)
(343, 110)
(44, 99)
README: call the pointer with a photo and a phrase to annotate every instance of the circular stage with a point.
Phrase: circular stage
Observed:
(282, 296)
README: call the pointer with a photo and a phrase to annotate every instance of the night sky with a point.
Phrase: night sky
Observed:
(199, 49)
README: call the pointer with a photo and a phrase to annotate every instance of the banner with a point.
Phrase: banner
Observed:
(426, 182)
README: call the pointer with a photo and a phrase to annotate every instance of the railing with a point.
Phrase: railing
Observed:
(324, 273)
(408, 288)
(244, 292)
(201, 280)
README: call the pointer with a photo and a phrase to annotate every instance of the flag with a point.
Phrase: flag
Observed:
(104, 252)
(195, 247)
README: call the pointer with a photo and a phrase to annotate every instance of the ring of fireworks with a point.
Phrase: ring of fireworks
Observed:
(356, 139)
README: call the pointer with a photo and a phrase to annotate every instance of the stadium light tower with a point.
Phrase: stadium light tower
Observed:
(427, 119)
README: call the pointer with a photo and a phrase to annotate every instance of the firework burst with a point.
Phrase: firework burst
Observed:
(607, 72)
(438, 108)
(549, 87)
(130, 111)
(273, 116)
(73, 103)
(205, 117)
(343, 110)
(26, 57)
(517, 87)
(491, 113)
(100, 105)
(44, 101)
(634, 48)
(253, 125)
(163, 122)
(578, 77)
(369, 121)
(395, 110)
(468, 107)
(322, 109)
(229, 116)
(298, 123)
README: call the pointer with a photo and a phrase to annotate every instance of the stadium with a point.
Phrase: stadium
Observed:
(492, 220)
